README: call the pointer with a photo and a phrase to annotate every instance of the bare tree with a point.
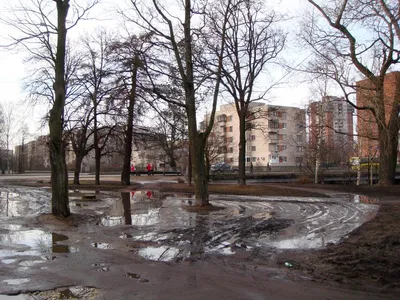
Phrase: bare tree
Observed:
(170, 134)
(42, 32)
(252, 41)
(128, 58)
(96, 75)
(342, 46)
(176, 38)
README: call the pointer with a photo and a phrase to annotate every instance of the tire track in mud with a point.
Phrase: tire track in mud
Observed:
(261, 223)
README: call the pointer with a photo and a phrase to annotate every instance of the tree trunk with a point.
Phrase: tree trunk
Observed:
(172, 162)
(97, 150)
(199, 174)
(97, 159)
(78, 164)
(126, 169)
(388, 143)
(59, 175)
(190, 169)
(242, 148)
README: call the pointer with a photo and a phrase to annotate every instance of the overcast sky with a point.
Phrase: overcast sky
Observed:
(12, 69)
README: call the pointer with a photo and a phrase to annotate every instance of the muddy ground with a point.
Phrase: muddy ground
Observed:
(363, 265)
(368, 259)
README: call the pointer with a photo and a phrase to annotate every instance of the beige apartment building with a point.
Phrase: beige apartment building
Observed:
(276, 135)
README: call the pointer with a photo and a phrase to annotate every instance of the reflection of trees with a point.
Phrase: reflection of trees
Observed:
(56, 248)
(200, 235)
(126, 203)
(4, 204)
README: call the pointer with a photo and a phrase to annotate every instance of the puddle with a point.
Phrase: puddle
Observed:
(102, 245)
(159, 253)
(17, 202)
(17, 297)
(242, 223)
(16, 281)
(32, 243)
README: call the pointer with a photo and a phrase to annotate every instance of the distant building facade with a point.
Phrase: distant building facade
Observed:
(366, 123)
(330, 123)
(275, 135)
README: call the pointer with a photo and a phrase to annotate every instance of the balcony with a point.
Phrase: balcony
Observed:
(221, 118)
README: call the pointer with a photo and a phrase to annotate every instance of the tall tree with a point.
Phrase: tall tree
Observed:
(176, 38)
(42, 31)
(127, 56)
(360, 40)
(252, 41)
(96, 73)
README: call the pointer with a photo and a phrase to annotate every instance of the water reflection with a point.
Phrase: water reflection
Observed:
(176, 231)
(15, 204)
(145, 208)
(10, 206)
(126, 203)
(32, 242)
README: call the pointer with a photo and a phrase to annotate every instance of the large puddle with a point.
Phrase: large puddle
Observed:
(242, 223)
(161, 227)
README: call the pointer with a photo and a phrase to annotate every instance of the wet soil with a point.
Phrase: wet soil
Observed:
(368, 259)
(366, 263)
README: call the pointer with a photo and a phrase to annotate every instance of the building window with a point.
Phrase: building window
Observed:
(299, 149)
(273, 137)
(282, 125)
(282, 137)
(230, 159)
(248, 159)
(253, 137)
(229, 118)
(230, 149)
(221, 118)
(299, 138)
(282, 159)
(254, 159)
(273, 148)
(230, 128)
(274, 124)
(284, 115)
(282, 147)
(253, 148)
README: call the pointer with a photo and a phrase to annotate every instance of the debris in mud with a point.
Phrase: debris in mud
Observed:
(78, 292)
(137, 276)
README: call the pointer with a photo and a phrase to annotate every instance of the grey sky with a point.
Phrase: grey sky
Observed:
(12, 69)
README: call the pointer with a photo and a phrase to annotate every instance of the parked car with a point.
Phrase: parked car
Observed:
(222, 168)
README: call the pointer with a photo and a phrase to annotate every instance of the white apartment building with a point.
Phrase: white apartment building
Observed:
(276, 135)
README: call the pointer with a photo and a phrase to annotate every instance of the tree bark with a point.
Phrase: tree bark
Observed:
(388, 143)
(126, 169)
(242, 147)
(59, 175)
(78, 164)
(199, 172)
